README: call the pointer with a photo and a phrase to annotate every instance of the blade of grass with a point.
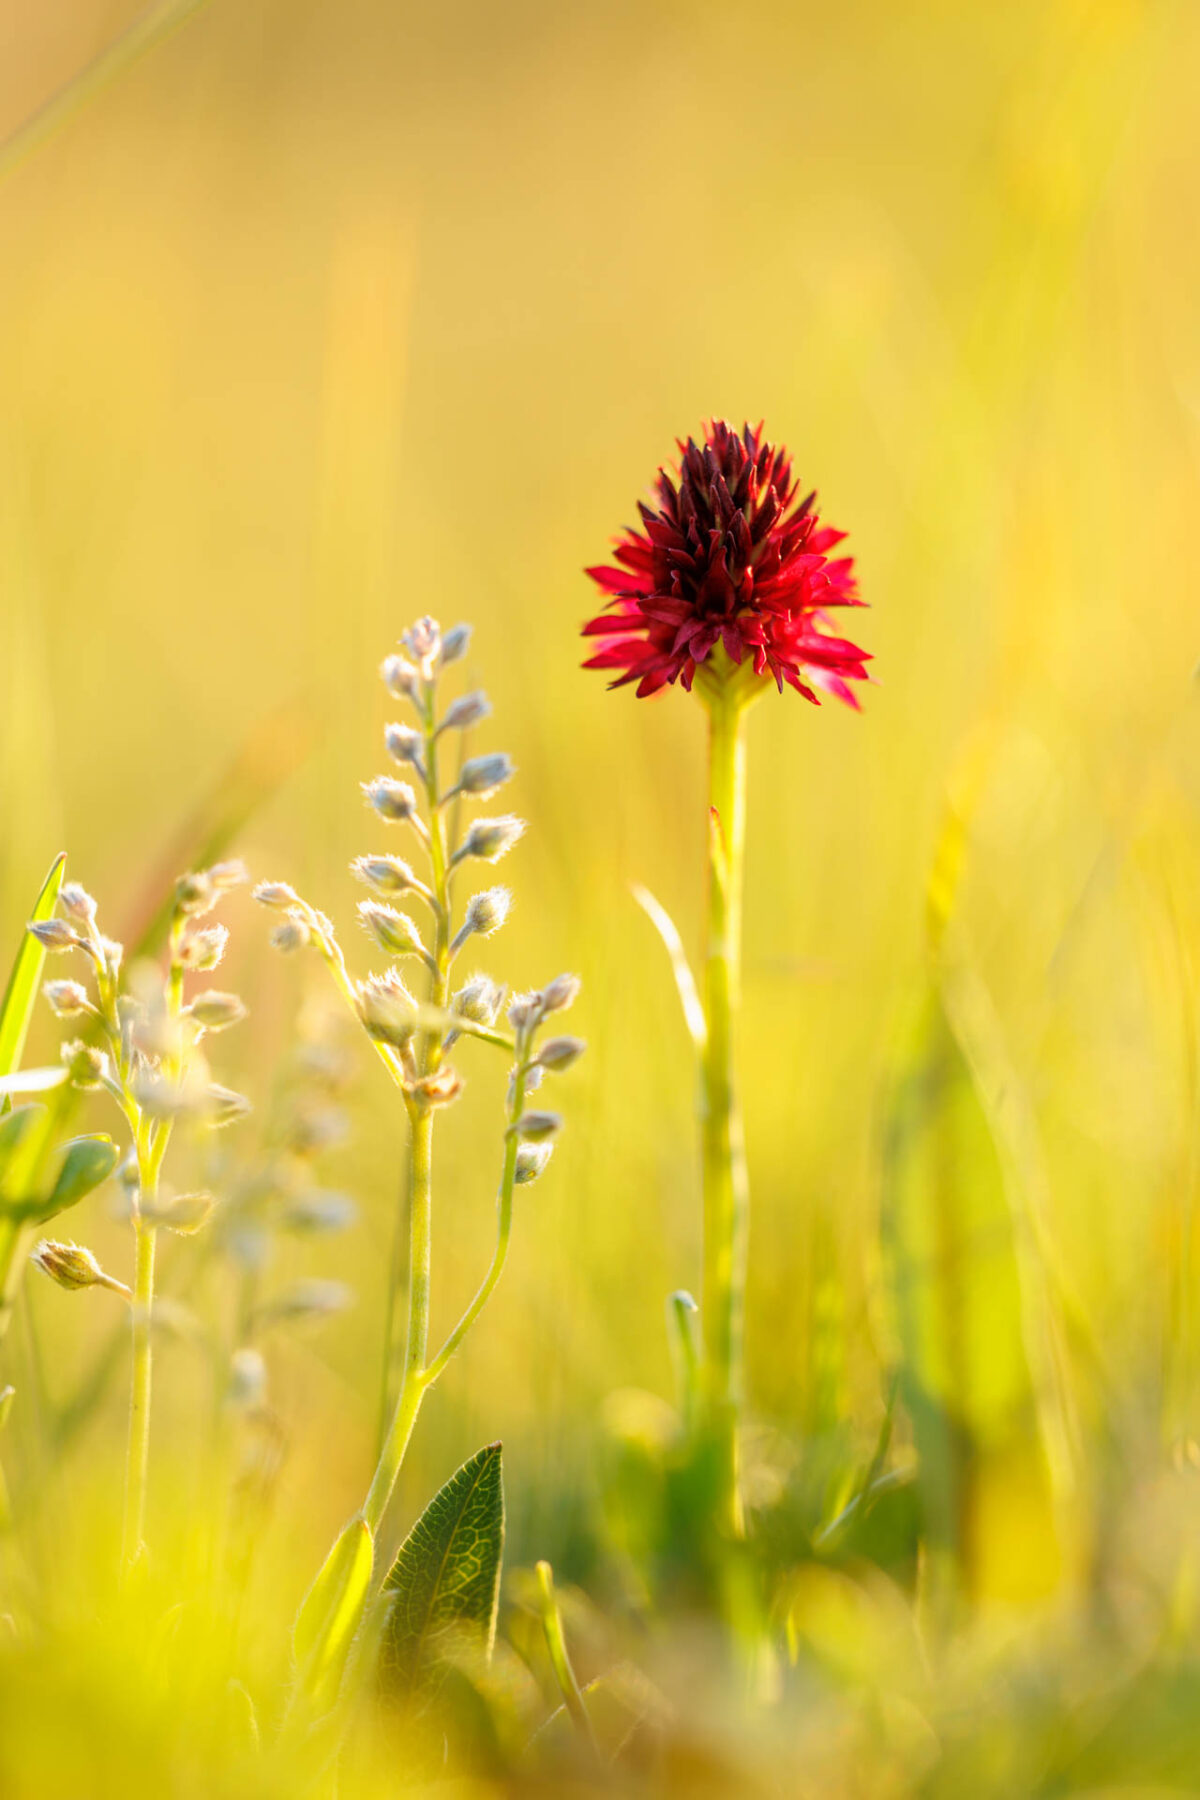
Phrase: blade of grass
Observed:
(16, 1010)
(144, 33)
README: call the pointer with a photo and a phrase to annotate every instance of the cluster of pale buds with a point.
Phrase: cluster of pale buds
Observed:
(141, 1035)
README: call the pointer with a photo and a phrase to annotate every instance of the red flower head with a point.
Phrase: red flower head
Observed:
(728, 559)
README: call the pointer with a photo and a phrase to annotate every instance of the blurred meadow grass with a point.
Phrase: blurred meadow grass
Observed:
(323, 316)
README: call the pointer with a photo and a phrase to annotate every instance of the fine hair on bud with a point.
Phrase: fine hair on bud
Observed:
(404, 745)
(77, 902)
(387, 875)
(478, 1000)
(230, 874)
(85, 1065)
(490, 839)
(558, 1053)
(455, 643)
(531, 1161)
(215, 1010)
(392, 800)
(223, 1106)
(482, 775)
(276, 894)
(290, 934)
(466, 711)
(54, 934)
(67, 999)
(560, 993)
(400, 677)
(388, 1010)
(486, 912)
(535, 1127)
(203, 949)
(195, 894)
(71, 1265)
(423, 640)
(393, 931)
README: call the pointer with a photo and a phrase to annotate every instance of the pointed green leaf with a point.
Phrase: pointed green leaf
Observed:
(16, 1009)
(86, 1162)
(332, 1612)
(7, 1396)
(445, 1582)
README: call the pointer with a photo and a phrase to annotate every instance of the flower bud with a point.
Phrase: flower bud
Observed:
(491, 839)
(400, 677)
(290, 934)
(558, 1053)
(560, 993)
(387, 875)
(440, 1088)
(276, 894)
(203, 949)
(424, 641)
(482, 775)
(215, 1010)
(224, 1106)
(247, 1388)
(113, 954)
(404, 745)
(393, 931)
(86, 1066)
(227, 875)
(535, 1127)
(531, 1160)
(76, 901)
(486, 912)
(307, 1300)
(478, 1000)
(455, 643)
(67, 999)
(194, 894)
(388, 1010)
(185, 1214)
(466, 711)
(54, 934)
(392, 800)
(321, 1210)
(71, 1265)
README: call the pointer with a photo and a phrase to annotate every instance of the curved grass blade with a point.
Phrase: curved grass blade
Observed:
(331, 1613)
(445, 1581)
(685, 981)
(16, 1009)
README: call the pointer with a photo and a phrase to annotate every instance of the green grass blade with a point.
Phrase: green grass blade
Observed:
(21, 992)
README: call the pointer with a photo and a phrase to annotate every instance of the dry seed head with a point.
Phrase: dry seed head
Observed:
(70, 1265)
(482, 775)
(392, 800)
(290, 934)
(68, 999)
(558, 1053)
(203, 949)
(455, 643)
(404, 745)
(75, 900)
(466, 711)
(54, 934)
(531, 1160)
(560, 993)
(215, 1010)
(490, 839)
(535, 1127)
(400, 677)
(276, 894)
(86, 1066)
(386, 875)
(393, 931)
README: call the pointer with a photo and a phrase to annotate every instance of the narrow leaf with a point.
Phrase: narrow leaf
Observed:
(685, 981)
(33, 1081)
(16, 1009)
(332, 1612)
(445, 1582)
(7, 1396)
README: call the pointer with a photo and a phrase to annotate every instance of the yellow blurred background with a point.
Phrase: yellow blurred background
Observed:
(323, 316)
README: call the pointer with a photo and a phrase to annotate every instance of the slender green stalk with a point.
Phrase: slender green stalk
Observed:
(10, 1269)
(138, 1456)
(726, 1200)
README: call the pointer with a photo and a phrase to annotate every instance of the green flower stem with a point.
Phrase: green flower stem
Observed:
(10, 1268)
(726, 1199)
(138, 1458)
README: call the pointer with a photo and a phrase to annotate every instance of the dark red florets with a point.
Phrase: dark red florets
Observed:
(729, 558)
